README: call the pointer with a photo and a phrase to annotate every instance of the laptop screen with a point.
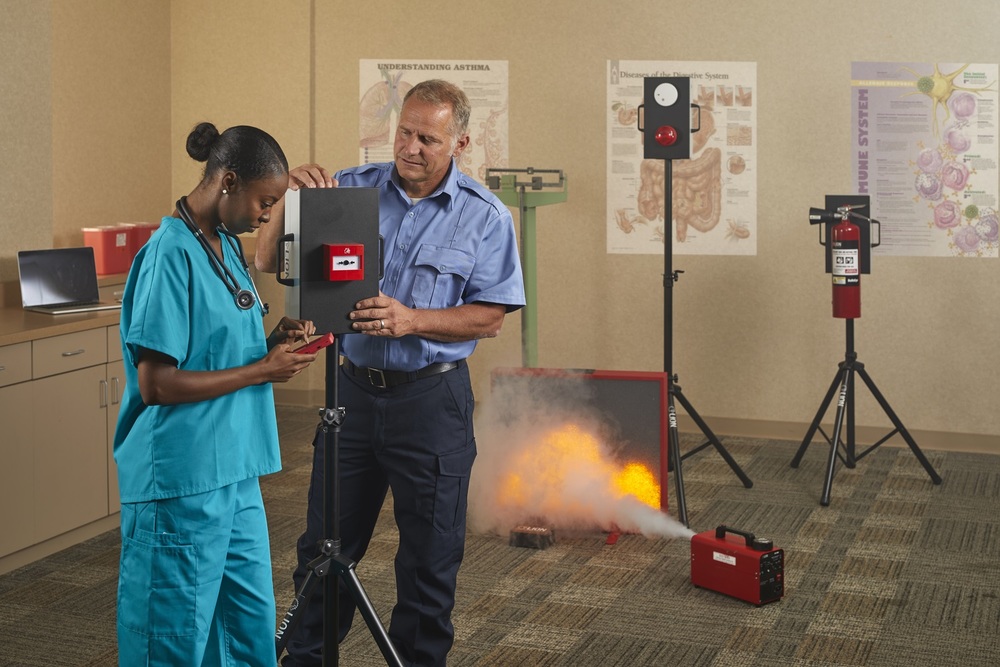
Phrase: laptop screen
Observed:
(57, 276)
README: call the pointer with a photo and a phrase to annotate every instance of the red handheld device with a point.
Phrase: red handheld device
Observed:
(316, 345)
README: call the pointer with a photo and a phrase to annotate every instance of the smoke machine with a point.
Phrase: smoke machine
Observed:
(748, 567)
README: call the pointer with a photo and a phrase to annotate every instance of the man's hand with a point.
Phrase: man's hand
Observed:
(388, 317)
(310, 176)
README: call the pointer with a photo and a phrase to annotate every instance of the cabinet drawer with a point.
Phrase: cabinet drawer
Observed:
(15, 363)
(60, 354)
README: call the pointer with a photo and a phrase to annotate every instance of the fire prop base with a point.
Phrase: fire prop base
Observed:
(532, 537)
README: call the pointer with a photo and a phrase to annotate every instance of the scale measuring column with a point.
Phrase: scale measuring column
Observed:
(527, 196)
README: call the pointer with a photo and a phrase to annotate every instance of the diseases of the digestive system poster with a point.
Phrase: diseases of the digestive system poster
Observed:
(713, 194)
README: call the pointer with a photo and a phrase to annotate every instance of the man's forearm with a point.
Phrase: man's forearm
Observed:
(467, 322)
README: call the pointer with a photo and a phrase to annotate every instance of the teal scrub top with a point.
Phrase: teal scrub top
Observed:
(176, 304)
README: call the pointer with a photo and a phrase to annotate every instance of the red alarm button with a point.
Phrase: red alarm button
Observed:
(666, 135)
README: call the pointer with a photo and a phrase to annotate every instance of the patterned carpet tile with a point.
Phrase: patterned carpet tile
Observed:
(895, 572)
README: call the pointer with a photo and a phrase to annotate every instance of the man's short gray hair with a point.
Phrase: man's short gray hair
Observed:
(440, 93)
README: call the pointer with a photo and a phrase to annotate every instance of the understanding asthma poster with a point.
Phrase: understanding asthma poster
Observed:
(925, 150)
(714, 194)
(384, 84)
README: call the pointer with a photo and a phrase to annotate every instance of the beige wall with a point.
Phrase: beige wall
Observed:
(25, 129)
(110, 108)
(753, 341)
(89, 107)
(754, 344)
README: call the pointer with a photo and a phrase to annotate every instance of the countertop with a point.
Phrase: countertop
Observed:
(18, 325)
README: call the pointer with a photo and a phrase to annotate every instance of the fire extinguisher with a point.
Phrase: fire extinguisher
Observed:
(846, 242)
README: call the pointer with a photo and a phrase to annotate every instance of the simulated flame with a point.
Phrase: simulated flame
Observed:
(567, 459)
(568, 478)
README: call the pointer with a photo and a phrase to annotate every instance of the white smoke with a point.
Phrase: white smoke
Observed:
(520, 477)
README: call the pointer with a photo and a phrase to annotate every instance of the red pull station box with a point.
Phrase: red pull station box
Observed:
(344, 261)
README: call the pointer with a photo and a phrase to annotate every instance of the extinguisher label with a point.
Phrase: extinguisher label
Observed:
(845, 258)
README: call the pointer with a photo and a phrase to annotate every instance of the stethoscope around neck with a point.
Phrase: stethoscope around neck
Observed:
(245, 299)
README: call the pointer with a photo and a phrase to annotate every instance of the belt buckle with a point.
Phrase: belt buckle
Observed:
(380, 382)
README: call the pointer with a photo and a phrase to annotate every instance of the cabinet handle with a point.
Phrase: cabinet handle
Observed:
(114, 391)
(104, 394)
(74, 353)
(3, 368)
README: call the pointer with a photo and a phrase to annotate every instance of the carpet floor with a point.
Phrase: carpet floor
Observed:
(896, 572)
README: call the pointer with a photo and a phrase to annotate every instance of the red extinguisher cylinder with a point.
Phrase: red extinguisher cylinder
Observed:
(846, 242)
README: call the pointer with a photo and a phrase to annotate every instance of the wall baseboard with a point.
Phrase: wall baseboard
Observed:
(58, 543)
(760, 428)
(865, 435)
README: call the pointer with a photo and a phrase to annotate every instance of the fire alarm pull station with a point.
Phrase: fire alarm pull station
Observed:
(330, 255)
(344, 261)
(748, 568)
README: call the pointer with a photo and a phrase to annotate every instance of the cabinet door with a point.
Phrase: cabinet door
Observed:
(70, 449)
(17, 524)
(116, 386)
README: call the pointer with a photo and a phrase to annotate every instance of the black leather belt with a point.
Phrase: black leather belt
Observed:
(382, 379)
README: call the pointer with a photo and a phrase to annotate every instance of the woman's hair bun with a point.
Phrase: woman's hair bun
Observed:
(199, 142)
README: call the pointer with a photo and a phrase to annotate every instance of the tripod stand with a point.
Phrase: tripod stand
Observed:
(845, 406)
(674, 457)
(331, 561)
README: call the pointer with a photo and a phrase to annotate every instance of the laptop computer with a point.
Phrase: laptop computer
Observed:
(60, 281)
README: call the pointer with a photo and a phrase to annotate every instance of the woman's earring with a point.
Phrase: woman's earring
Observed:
(224, 191)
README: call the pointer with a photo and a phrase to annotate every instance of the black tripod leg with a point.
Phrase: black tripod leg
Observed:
(331, 622)
(838, 426)
(674, 454)
(349, 576)
(292, 616)
(823, 407)
(899, 426)
(712, 439)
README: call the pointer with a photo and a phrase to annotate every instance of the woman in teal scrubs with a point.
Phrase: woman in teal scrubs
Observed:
(197, 426)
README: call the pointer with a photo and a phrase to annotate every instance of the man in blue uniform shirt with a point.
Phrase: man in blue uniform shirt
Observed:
(451, 274)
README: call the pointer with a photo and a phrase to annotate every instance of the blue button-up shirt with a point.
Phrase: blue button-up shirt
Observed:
(453, 247)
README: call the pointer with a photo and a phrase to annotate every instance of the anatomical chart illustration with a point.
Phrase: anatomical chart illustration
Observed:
(714, 193)
(925, 149)
(384, 83)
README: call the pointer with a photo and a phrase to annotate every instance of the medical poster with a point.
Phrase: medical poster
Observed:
(714, 194)
(924, 148)
(384, 84)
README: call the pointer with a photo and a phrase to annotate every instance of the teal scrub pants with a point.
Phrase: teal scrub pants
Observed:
(194, 585)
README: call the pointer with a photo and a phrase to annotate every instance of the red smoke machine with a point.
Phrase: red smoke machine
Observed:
(736, 563)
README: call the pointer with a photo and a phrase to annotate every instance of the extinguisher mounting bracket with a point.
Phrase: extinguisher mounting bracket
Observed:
(843, 207)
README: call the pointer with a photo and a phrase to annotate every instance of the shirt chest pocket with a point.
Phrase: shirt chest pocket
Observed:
(441, 275)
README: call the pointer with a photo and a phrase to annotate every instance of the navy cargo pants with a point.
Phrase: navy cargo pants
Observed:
(417, 439)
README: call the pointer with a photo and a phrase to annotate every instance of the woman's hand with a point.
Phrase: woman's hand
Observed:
(289, 330)
(282, 364)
